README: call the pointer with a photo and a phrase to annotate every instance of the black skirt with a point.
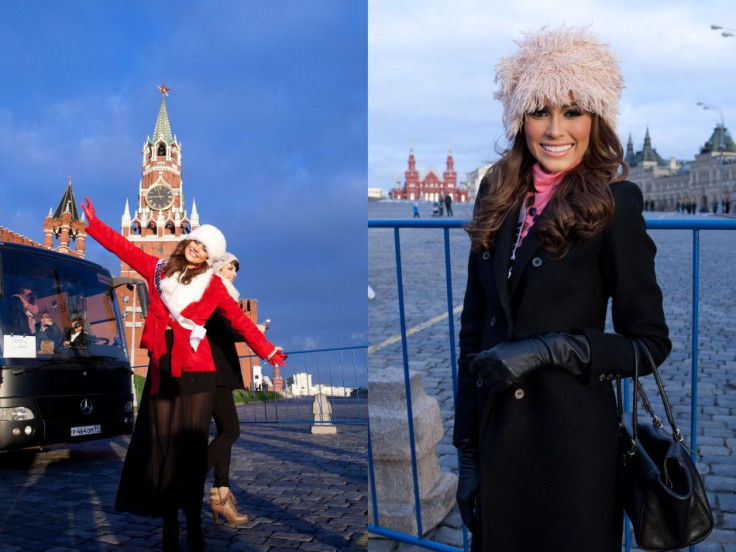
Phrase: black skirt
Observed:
(166, 464)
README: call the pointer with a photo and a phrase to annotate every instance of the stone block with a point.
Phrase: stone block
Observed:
(392, 453)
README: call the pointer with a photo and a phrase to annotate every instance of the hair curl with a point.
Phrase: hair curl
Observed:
(178, 265)
(581, 206)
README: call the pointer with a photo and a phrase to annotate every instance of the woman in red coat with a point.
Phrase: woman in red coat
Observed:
(557, 233)
(166, 463)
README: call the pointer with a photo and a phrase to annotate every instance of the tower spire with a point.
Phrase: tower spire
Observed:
(67, 203)
(163, 128)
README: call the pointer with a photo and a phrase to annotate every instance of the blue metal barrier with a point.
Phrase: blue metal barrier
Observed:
(335, 370)
(339, 373)
(694, 225)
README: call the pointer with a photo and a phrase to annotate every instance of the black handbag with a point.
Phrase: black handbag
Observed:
(661, 488)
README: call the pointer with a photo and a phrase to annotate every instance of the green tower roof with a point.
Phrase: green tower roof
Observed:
(163, 128)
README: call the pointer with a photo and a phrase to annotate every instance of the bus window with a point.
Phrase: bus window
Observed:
(61, 310)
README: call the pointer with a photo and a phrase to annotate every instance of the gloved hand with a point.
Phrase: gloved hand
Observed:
(89, 210)
(277, 358)
(508, 363)
(468, 484)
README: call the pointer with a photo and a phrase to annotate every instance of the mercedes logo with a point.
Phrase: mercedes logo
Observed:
(86, 406)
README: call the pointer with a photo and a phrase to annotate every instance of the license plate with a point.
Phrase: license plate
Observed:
(86, 430)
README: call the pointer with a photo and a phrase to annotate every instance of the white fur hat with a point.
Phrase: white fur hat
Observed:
(223, 261)
(212, 239)
(552, 65)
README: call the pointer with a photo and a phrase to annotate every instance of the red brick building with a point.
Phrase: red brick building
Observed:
(431, 185)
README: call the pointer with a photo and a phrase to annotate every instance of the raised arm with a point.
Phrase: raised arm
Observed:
(141, 262)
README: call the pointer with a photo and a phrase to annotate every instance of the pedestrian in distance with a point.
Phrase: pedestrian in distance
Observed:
(415, 210)
(448, 205)
(229, 377)
(557, 232)
(166, 464)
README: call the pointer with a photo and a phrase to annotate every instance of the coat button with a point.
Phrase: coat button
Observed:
(602, 377)
(609, 377)
(479, 382)
(519, 394)
(486, 255)
(537, 262)
(493, 321)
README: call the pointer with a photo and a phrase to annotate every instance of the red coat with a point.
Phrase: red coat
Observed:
(215, 297)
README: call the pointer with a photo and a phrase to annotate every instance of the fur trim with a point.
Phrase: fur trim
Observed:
(212, 239)
(179, 295)
(552, 65)
(231, 289)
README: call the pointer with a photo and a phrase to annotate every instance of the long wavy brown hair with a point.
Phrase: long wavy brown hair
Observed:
(581, 206)
(177, 264)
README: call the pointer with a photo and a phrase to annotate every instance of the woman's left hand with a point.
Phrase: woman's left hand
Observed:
(508, 363)
(277, 358)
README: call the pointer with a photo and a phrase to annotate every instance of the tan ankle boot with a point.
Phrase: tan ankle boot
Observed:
(223, 502)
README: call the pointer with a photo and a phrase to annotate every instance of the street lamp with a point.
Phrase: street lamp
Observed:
(721, 149)
(725, 31)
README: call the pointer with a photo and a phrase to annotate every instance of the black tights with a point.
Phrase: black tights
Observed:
(195, 537)
(228, 431)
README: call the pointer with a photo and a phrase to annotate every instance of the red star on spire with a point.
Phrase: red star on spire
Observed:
(164, 90)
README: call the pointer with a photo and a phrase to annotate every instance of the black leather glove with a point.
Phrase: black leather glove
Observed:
(508, 363)
(468, 484)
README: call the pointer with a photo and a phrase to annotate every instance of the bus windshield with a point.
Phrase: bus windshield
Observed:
(52, 307)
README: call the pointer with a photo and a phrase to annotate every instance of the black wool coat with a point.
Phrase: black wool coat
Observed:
(548, 447)
(222, 340)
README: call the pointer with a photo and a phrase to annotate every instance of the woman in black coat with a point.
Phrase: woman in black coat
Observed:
(229, 377)
(557, 231)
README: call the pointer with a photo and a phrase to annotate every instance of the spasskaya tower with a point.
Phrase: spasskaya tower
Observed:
(159, 219)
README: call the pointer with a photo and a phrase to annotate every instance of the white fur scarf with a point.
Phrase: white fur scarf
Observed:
(179, 295)
(234, 293)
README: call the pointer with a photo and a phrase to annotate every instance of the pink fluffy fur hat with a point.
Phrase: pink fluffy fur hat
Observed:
(557, 66)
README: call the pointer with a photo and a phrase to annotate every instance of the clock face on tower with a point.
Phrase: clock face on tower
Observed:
(159, 197)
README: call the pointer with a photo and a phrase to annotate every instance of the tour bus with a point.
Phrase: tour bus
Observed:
(65, 376)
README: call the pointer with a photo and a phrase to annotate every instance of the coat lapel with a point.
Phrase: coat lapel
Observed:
(524, 254)
(503, 247)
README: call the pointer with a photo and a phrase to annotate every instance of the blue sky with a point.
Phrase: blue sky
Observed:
(269, 102)
(432, 63)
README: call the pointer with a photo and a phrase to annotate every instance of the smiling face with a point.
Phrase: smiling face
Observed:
(195, 253)
(558, 137)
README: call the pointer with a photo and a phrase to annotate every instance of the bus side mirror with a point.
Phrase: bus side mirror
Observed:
(141, 289)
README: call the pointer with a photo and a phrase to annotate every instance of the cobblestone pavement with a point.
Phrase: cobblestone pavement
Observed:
(428, 350)
(302, 492)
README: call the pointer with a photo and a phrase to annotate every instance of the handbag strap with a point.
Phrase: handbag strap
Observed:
(644, 350)
(634, 427)
(637, 385)
(641, 350)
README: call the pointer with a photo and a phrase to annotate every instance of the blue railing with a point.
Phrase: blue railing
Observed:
(339, 373)
(694, 225)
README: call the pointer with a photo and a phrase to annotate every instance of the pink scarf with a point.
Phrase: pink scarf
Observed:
(544, 184)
